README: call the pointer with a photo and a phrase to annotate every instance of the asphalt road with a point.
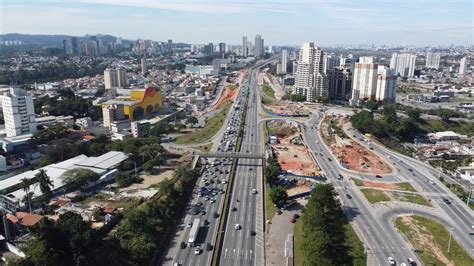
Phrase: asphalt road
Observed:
(186, 256)
(381, 242)
(239, 246)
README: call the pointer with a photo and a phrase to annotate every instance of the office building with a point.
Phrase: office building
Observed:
(270, 49)
(284, 61)
(432, 60)
(194, 48)
(18, 112)
(364, 80)
(310, 79)
(216, 65)
(144, 66)
(111, 113)
(209, 49)
(258, 52)
(74, 46)
(245, 51)
(64, 46)
(115, 78)
(403, 64)
(386, 84)
(463, 66)
(170, 45)
(222, 48)
(340, 83)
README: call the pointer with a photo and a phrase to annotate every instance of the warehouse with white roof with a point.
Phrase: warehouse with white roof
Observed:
(103, 165)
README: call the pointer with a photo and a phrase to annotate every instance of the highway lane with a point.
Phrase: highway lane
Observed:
(381, 242)
(186, 256)
(460, 216)
(239, 246)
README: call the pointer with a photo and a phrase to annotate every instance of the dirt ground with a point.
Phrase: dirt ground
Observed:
(292, 157)
(355, 156)
(426, 240)
(372, 184)
(301, 187)
(149, 180)
(287, 108)
(226, 96)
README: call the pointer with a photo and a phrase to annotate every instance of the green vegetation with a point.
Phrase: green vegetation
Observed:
(270, 209)
(278, 195)
(232, 86)
(267, 89)
(337, 129)
(205, 148)
(325, 238)
(212, 126)
(357, 182)
(67, 103)
(458, 191)
(272, 170)
(411, 197)
(125, 179)
(298, 236)
(435, 125)
(406, 186)
(440, 238)
(374, 195)
(294, 97)
(78, 177)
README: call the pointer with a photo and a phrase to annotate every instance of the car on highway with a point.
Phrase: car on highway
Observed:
(348, 196)
(206, 222)
(340, 177)
(411, 262)
(215, 215)
(233, 209)
(212, 200)
(237, 227)
(189, 225)
(208, 246)
(197, 250)
(329, 159)
(293, 220)
(199, 204)
(403, 264)
(447, 201)
(183, 245)
(296, 216)
(378, 176)
(391, 261)
(279, 212)
(254, 191)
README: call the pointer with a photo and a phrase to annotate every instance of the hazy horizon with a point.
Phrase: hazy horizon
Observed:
(280, 22)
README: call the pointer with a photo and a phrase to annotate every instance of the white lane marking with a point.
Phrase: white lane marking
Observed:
(246, 253)
(233, 254)
(225, 253)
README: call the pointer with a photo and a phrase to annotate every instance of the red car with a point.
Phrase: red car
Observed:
(293, 220)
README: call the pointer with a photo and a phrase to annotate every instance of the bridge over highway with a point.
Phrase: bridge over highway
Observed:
(240, 155)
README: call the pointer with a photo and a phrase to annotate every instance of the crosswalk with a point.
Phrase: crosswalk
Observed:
(238, 254)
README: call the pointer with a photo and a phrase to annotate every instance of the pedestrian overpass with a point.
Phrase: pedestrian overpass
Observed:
(238, 155)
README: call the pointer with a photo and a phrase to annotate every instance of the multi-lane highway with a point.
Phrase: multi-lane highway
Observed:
(379, 234)
(243, 230)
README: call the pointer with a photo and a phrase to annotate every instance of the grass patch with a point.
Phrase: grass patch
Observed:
(232, 86)
(357, 182)
(406, 186)
(411, 197)
(267, 89)
(439, 236)
(298, 236)
(211, 127)
(205, 148)
(266, 101)
(374, 195)
(436, 125)
(270, 210)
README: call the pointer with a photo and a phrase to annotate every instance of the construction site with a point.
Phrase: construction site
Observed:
(349, 153)
(286, 108)
(292, 154)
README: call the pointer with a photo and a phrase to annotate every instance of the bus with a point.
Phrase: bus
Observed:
(194, 231)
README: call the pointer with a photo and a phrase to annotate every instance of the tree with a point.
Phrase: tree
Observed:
(44, 182)
(192, 120)
(152, 151)
(278, 195)
(414, 114)
(389, 113)
(363, 121)
(272, 170)
(25, 185)
(75, 178)
(445, 114)
(159, 130)
(372, 105)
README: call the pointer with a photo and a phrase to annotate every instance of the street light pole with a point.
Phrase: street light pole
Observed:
(469, 196)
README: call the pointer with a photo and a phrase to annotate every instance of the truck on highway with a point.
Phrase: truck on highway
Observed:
(194, 231)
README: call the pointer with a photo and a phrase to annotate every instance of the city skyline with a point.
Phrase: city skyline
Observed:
(326, 22)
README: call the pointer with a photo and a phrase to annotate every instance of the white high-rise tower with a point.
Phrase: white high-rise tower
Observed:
(284, 61)
(432, 60)
(18, 112)
(245, 51)
(463, 66)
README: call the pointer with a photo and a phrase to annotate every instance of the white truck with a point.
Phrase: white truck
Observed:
(194, 231)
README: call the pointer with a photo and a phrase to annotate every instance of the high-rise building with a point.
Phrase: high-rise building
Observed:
(194, 48)
(270, 49)
(64, 46)
(111, 113)
(209, 49)
(245, 51)
(222, 47)
(170, 45)
(258, 46)
(432, 60)
(144, 66)
(284, 61)
(310, 79)
(403, 64)
(386, 84)
(114, 78)
(216, 65)
(18, 112)
(340, 83)
(364, 80)
(463, 66)
(330, 62)
(74, 46)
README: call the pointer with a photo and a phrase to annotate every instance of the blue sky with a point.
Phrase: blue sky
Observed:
(325, 22)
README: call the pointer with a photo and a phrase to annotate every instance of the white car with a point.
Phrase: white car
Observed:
(197, 250)
(391, 261)
(224, 181)
(237, 227)
(190, 225)
(212, 200)
(254, 191)
(403, 264)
